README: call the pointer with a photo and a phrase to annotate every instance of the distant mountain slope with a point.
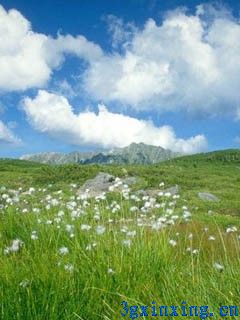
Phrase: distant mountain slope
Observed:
(142, 153)
(135, 153)
(58, 158)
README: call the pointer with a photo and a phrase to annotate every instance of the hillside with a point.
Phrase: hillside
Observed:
(217, 172)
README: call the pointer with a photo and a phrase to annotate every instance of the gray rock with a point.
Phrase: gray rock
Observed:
(101, 183)
(130, 180)
(97, 185)
(154, 192)
(173, 190)
(208, 197)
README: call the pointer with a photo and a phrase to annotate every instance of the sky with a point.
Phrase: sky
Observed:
(82, 75)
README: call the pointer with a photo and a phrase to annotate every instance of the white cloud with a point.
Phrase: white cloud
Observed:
(27, 58)
(121, 33)
(189, 62)
(52, 114)
(64, 88)
(7, 136)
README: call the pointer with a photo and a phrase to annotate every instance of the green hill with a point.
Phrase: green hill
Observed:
(217, 172)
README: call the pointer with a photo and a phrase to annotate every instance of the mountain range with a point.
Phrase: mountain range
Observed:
(135, 153)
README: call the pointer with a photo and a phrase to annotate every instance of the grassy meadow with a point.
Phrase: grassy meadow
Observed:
(64, 256)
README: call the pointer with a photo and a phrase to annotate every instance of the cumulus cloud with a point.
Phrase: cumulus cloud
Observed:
(64, 88)
(52, 114)
(7, 136)
(188, 62)
(27, 58)
(121, 33)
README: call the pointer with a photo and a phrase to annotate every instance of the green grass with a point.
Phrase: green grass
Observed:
(217, 172)
(34, 281)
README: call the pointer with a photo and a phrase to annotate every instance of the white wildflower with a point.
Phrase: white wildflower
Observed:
(34, 235)
(16, 245)
(195, 251)
(24, 283)
(231, 229)
(100, 230)
(172, 242)
(110, 271)
(218, 266)
(211, 238)
(131, 233)
(60, 213)
(127, 242)
(69, 267)
(63, 251)
(85, 227)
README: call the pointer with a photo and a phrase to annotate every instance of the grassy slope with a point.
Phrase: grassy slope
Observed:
(149, 270)
(217, 172)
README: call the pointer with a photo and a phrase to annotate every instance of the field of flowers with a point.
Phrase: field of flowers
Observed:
(67, 256)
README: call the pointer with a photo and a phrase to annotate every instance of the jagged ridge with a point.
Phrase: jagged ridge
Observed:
(135, 153)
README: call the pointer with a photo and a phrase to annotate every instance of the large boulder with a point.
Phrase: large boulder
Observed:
(101, 183)
(98, 185)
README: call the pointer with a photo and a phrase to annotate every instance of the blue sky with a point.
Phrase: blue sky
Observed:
(84, 75)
